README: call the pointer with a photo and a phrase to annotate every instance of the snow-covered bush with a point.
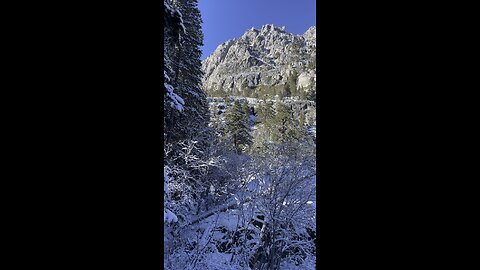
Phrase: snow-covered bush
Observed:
(284, 179)
(267, 223)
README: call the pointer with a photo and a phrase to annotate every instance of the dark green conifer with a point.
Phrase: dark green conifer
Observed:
(238, 129)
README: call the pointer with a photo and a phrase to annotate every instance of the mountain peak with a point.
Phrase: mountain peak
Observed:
(263, 62)
(267, 27)
(271, 27)
(312, 30)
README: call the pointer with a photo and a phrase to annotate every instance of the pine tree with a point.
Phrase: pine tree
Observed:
(187, 137)
(185, 63)
(301, 119)
(312, 95)
(245, 108)
(265, 112)
(291, 84)
(173, 31)
(216, 120)
(302, 94)
(247, 112)
(287, 127)
(238, 130)
(287, 91)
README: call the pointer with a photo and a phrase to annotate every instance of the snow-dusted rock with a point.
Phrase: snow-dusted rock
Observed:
(266, 57)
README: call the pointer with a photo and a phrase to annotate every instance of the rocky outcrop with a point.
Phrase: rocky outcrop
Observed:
(263, 63)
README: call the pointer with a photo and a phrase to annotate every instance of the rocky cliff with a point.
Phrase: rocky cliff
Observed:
(262, 64)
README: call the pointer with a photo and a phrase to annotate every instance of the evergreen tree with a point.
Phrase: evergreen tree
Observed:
(245, 108)
(265, 125)
(287, 91)
(312, 92)
(187, 138)
(184, 60)
(173, 30)
(216, 120)
(291, 85)
(312, 95)
(266, 112)
(302, 94)
(301, 119)
(265, 116)
(238, 129)
(287, 128)
(260, 113)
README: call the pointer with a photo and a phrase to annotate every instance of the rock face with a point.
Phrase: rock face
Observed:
(263, 63)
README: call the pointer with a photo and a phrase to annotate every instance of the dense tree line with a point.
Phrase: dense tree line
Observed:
(239, 188)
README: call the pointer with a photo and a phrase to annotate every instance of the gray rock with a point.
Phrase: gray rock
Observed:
(262, 58)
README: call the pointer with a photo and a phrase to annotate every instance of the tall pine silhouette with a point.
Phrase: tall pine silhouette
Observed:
(238, 129)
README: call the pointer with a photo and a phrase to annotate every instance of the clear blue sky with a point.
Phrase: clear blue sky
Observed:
(228, 19)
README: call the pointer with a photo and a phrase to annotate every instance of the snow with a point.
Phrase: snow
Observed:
(253, 119)
(252, 186)
(176, 101)
(181, 22)
(219, 261)
(221, 210)
(165, 180)
(228, 219)
(168, 7)
(168, 216)
(313, 131)
(183, 28)
(166, 76)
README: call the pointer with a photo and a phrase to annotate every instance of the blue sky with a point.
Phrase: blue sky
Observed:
(228, 19)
